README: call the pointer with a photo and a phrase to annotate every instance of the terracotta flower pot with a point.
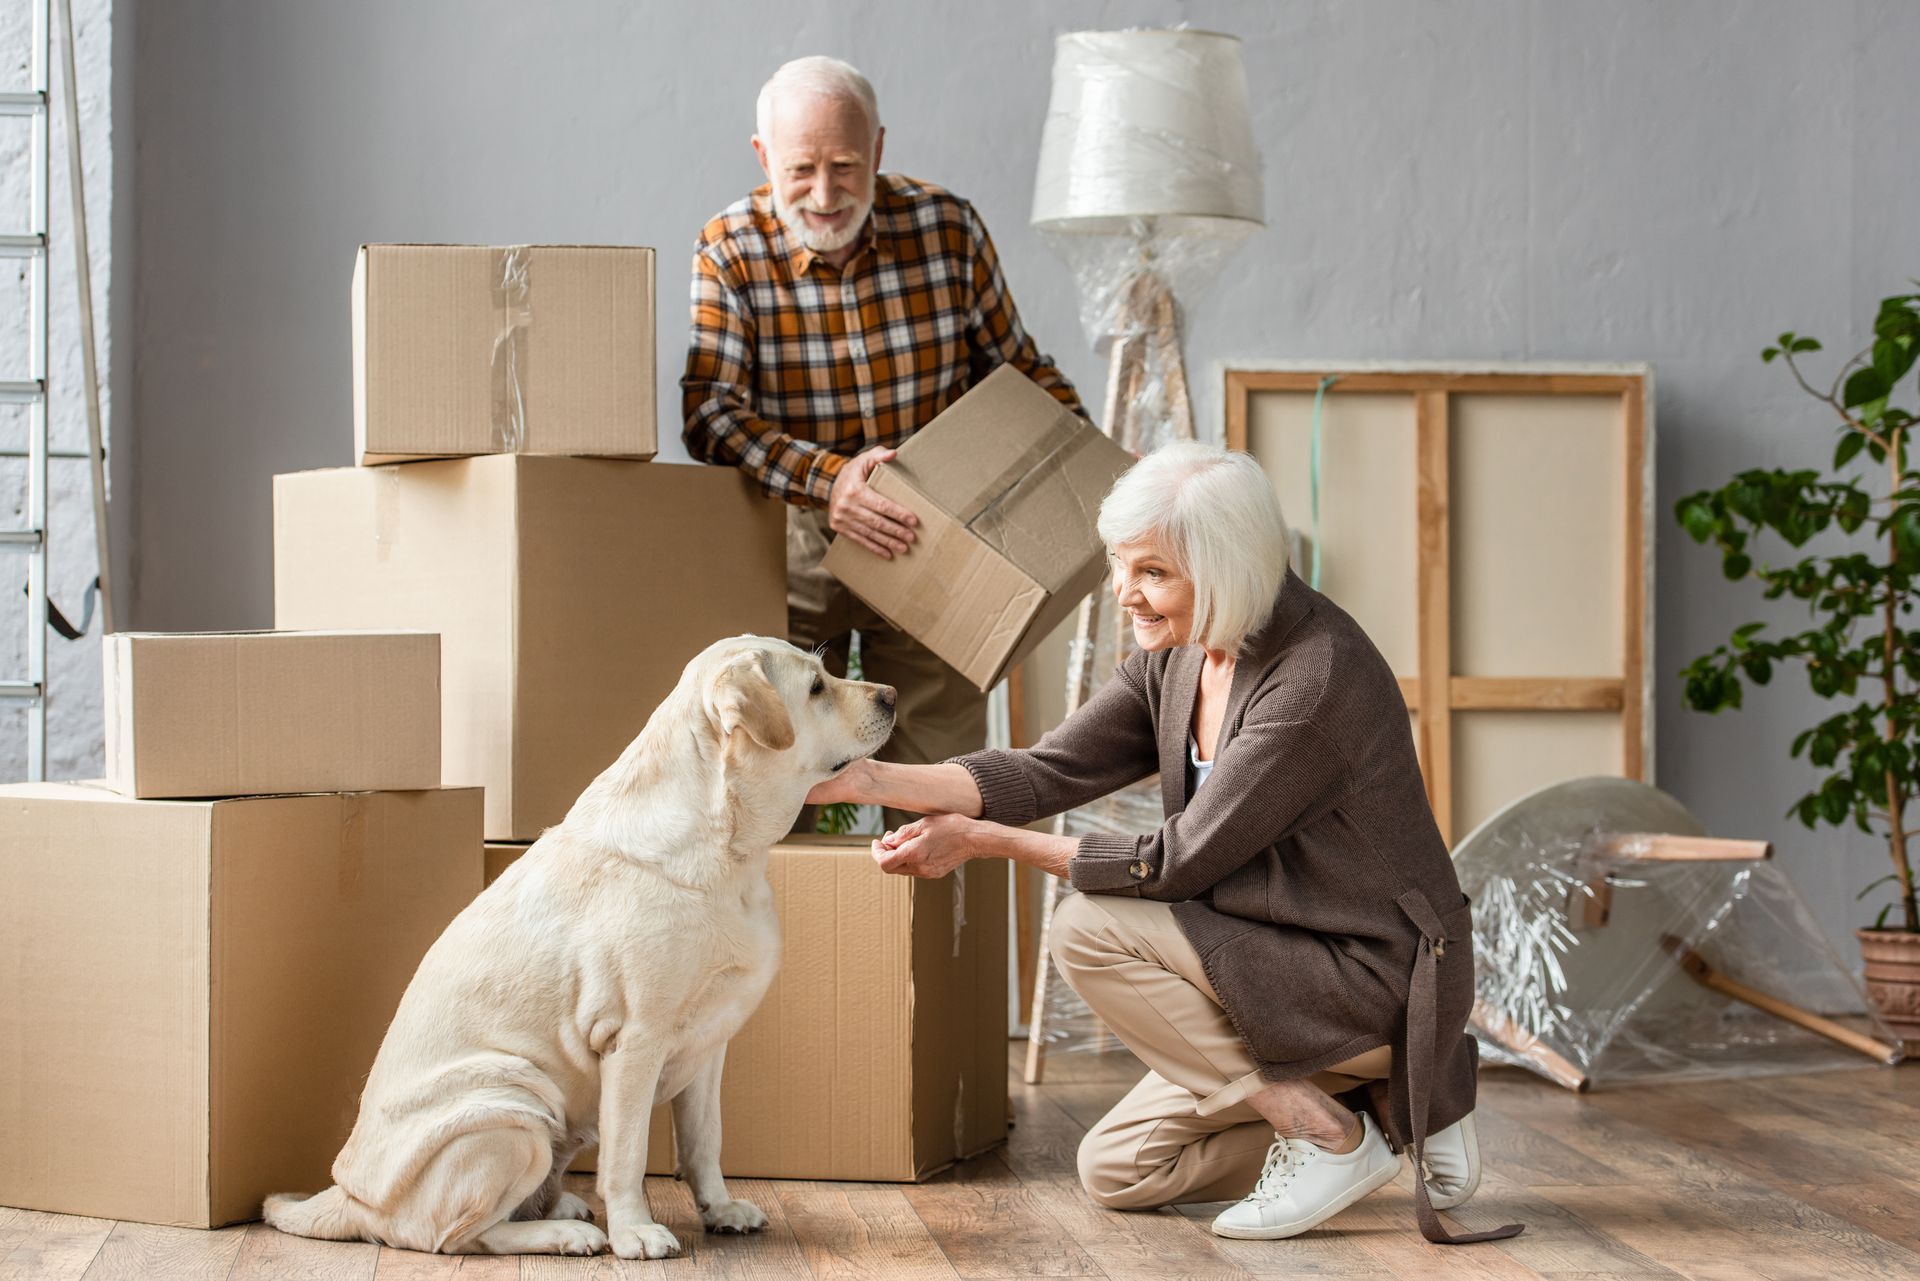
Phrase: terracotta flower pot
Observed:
(1893, 978)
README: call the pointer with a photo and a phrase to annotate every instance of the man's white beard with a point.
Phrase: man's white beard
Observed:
(822, 242)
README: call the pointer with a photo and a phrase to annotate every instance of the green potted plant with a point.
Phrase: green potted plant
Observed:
(1858, 649)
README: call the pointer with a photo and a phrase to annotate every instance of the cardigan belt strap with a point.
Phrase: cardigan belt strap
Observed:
(1422, 1002)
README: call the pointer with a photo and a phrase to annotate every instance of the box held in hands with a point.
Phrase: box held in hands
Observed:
(1007, 484)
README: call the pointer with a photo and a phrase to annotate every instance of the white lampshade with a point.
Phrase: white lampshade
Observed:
(1148, 125)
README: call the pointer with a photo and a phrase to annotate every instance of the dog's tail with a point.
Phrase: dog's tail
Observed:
(329, 1216)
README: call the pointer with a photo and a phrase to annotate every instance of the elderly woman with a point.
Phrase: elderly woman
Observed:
(1292, 941)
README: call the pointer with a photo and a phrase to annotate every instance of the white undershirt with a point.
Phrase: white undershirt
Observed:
(1200, 768)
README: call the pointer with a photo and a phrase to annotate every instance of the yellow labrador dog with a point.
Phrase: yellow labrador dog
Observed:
(602, 974)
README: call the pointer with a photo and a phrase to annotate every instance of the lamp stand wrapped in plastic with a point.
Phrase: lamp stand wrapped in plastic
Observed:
(1616, 942)
(1147, 181)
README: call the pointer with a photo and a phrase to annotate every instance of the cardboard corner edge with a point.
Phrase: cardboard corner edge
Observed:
(359, 357)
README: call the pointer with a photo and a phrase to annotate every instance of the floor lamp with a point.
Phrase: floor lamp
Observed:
(1148, 181)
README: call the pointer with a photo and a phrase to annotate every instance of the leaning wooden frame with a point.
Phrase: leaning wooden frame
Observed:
(1469, 509)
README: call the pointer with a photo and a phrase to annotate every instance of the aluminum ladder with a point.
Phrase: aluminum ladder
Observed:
(33, 245)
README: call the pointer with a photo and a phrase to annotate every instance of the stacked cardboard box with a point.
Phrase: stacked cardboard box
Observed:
(568, 591)
(195, 988)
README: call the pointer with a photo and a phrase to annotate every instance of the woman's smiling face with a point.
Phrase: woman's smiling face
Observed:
(1154, 592)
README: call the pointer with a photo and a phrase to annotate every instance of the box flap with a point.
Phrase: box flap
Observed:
(966, 458)
(952, 591)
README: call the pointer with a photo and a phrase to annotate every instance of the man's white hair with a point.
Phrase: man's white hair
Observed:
(819, 76)
(1214, 513)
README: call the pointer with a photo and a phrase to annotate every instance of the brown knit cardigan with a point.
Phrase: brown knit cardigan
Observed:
(1308, 873)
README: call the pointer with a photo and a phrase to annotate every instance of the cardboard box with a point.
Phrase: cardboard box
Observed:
(880, 1051)
(1007, 484)
(192, 992)
(568, 593)
(253, 713)
(500, 855)
(472, 349)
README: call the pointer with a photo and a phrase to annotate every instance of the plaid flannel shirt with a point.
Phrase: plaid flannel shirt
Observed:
(794, 367)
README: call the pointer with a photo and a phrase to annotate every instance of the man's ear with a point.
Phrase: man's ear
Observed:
(879, 145)
(760, 153)
(742, 698)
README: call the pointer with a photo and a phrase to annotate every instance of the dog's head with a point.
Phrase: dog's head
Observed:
(778, 711)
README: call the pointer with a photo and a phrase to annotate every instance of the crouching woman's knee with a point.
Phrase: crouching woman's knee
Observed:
(1110, 1174)
(1076, 937)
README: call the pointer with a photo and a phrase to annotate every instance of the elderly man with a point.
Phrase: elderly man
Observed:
(836, 310)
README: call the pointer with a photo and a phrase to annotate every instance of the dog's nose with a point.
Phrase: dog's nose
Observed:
(885, 696)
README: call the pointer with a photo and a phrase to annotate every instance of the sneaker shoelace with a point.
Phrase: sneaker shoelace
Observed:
(1285, 1159)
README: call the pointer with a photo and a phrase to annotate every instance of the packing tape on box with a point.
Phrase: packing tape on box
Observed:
(960, 1117)
(513, 318)
(353, 842)
(959, 905)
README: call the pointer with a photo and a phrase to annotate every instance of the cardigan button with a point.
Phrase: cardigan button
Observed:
(1139, 869)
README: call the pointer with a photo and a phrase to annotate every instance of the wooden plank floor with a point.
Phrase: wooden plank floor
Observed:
(1781, 1179)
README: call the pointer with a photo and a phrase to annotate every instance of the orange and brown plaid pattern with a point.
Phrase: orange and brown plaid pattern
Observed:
(794, 367)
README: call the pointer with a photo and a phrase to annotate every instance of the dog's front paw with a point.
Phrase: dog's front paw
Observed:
(569, 1206)
(733, 1217)
(646, 1241)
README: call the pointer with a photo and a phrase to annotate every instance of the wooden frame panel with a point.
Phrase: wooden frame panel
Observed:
(1435, 692)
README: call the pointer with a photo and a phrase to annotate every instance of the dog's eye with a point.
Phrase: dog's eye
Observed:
(819, 687)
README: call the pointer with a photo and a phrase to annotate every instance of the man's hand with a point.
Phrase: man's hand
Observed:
(928, 847)
(854, 511)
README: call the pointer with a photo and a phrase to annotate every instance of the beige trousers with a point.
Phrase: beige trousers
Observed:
(1185, 1133)
(939, 713)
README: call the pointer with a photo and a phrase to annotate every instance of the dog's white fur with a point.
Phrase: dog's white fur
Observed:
(602, 974)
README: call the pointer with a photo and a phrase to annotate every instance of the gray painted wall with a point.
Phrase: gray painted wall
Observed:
(1492, 179)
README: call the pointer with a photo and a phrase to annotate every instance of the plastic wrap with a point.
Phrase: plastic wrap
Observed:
(513, 318)
(1582, 934)
(1148, 181)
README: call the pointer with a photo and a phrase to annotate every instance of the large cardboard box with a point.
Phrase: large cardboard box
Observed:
(192, 992)
(568, 593)
(253, 713)
(475, 349)
(880, 1051)
(1007, 483)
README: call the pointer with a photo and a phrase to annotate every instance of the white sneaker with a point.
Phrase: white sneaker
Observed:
(1453, 1164)
(1304, 1185)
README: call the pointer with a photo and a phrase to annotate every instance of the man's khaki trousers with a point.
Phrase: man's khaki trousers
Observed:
(1185, 1133)
(939, 713)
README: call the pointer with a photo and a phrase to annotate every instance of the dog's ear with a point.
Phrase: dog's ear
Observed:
(741, 697)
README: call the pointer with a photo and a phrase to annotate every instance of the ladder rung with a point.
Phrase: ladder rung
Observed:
(29, 690)
(19, 538)
(51, 453)
(22, 393)
(22, 104)
(21, 245)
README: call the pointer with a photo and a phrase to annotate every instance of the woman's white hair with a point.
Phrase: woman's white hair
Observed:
(1214, 513)
(822, 77)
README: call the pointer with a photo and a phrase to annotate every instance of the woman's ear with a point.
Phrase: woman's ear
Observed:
(742, 698)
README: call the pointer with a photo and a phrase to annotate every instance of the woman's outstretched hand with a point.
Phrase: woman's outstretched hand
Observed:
(928, 847)
(849, 785)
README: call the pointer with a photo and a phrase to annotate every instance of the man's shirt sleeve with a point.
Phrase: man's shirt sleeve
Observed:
(717, 404)
(994, 330)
